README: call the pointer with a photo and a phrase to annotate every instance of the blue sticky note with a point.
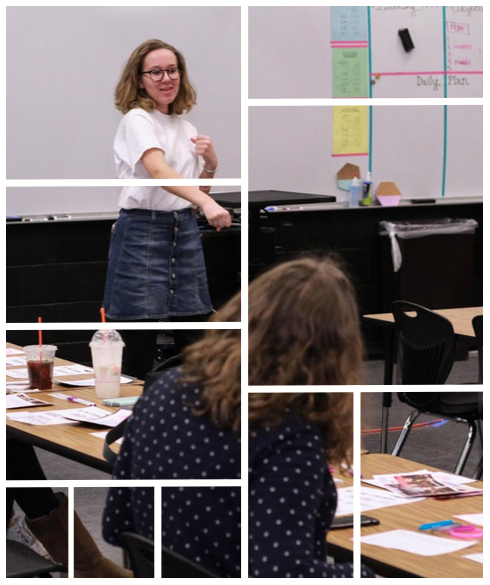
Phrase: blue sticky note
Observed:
(349, 23)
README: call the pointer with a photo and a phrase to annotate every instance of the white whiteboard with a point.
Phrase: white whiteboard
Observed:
(290, 51)
(428, 151)
(63, 64)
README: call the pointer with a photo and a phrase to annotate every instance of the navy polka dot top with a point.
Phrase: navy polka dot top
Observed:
(204, 525)
(128, 510)
(164, 440)
(292, 503)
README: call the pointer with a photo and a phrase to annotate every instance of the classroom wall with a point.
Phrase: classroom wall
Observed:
(63, 64)
(428, 151)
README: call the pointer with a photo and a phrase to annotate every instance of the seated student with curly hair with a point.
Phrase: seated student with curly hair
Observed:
(294, 439)
(303, 326)
(187, 426)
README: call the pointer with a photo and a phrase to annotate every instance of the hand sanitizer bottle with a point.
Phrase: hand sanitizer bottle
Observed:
(366, 190)
(354, 193)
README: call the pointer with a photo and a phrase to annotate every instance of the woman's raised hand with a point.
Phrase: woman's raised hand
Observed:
(204, 147)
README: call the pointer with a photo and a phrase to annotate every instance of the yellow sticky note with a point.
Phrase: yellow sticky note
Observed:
(350, 130)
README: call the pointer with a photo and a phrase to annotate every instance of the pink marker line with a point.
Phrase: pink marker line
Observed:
(352, 154)
(343, 44)
(429, 73)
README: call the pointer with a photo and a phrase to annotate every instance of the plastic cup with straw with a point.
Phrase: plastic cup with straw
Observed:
(40, 361)
(107, 347)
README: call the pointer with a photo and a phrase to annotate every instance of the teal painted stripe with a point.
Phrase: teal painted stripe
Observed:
(370, 163)
(444, 45)
(370, 68)
(444, 155)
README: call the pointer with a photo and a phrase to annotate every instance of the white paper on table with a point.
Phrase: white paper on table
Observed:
(371, 499)
(471, 518)
(98, 416)
(88, 382)
(48, 417)
(103, 435)
(89, 414)
(431, 487)
(23, 401)
(13, 351)
(17, 373)
(72, 370)
(451, 477)
(477, 557)
(23, 388)
(15, 361)
(416, 543)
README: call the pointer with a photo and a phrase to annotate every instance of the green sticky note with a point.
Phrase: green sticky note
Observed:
(350, 73)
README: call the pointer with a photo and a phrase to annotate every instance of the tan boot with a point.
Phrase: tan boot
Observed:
(52, 531)
(89, 561)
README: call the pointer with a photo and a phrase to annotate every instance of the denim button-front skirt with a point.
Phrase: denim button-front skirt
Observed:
(156, 267)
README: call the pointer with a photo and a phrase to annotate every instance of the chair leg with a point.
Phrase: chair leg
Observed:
(479, 424)
(472, 432)
(405, 431)
(387, 402)
(479, 470)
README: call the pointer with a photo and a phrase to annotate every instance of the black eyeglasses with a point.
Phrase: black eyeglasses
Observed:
(158, 74)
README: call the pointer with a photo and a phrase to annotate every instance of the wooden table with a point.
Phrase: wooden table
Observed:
(396, 563)
(461, 320)
(339, 541)
(72, 441)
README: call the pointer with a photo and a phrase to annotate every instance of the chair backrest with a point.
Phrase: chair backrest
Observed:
(140, 551)
(425, 344)
(175, 565)
(478, 329)
(22, 561)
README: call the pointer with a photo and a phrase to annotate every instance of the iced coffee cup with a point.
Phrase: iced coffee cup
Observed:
(107, 347)
(40, 361)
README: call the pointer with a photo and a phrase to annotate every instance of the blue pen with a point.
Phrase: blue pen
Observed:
(433, 525)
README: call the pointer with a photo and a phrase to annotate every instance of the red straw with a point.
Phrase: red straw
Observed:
(102, 316)
(39, 320)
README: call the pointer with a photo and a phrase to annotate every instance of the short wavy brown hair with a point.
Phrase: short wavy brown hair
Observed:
(331, 412)
(215, 362)
(303, 326)
(130, 95)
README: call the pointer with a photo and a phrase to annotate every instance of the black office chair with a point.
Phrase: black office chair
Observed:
(425, 345)
(22, 561)
(460, 407)
(175, 565)
(478, 329)
(140, 551)
(479, 469)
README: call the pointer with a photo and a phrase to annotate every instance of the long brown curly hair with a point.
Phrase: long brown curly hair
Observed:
(215, 362)
(331, 412)
(130, 95)
(303, 326)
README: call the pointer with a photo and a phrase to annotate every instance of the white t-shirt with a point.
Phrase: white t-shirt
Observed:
(139, 131)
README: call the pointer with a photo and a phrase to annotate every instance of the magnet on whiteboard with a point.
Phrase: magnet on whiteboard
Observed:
(406, 39)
